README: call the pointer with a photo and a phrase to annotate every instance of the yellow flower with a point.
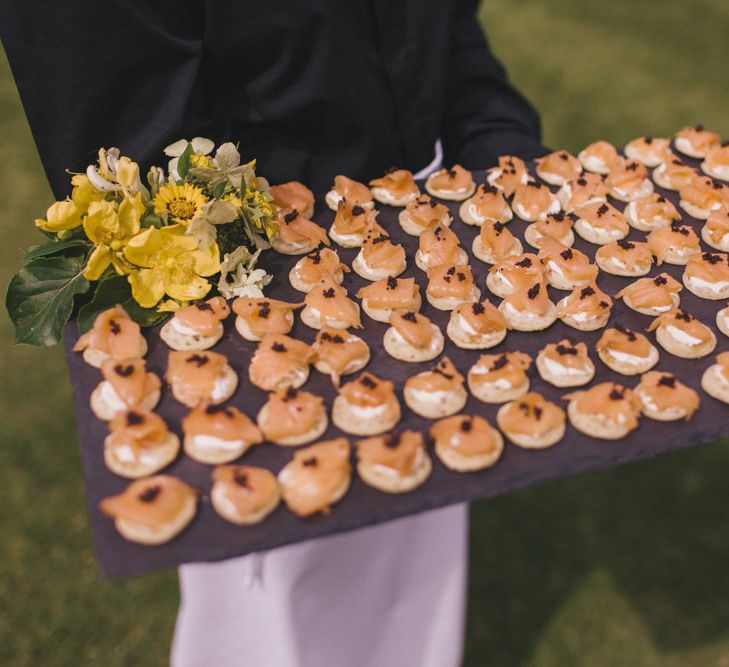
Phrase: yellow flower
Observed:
(61, 216)
(127, 173)
(84, 192)
(198, 160)
(170, 263)
(180, 203)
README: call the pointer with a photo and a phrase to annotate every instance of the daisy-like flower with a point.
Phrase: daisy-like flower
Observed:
(179, 203)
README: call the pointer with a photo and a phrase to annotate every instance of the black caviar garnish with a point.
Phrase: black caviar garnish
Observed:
(290, 394)
(124, 371)
(477, 308)
(602, 210)
(499, 362)
(711, 258)
(534, 291)
(625, 244)
(392, 440)
(203, 306)
(628, 333)
(616, 394)
(391, 282)
(328, 293)
(660, 280)
(566, 254)
(410, 316)
(291, 216)
(114, 327)
(566, 349)
(150, 493)
(466, 425)
(198, 359)
(586, 291)
(524, 263)
(367, 381)
(683, 316)
(264, 309)
(241, 479)
(357, 210)
(278, 347)
(667, 381)
(311, 462)
(134, 418)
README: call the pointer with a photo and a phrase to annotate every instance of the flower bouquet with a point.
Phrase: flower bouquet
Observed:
(197, 227)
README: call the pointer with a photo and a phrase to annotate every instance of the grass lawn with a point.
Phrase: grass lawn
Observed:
(625, 567)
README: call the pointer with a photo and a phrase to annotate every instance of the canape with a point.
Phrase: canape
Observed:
(395, 462)
(126, 385)
(258, 317)
(454, 184)
(626, 351)
(217, 434)
(683, 335)
(114, 335)
(423, 213)
(244, 495)
(607, 411)
(532, 422)
(665, 398)
(466, 443)
(279, 362)
(292, 417)
(625, 258)
(327, 305)
(196, 327)
(309, 270)
(366, 405)
(413, 337)
(476, 326)
(565, 364)
(497, 378)
(439, 246)
(436, 393)
(396, 188)
(585, 308)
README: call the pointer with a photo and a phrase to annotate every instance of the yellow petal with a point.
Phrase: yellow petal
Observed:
(127, 172)
(192, 290)
(60, 216)
(147, 286)
(142, 248)
(207, 262)
(101, 224)
(99, 259)
(130, 212)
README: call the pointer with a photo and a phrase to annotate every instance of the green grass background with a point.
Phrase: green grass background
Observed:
(625, 567)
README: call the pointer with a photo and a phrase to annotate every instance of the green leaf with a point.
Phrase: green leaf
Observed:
(40, 297)
(152, 220)
(183, 165)
(51, 248)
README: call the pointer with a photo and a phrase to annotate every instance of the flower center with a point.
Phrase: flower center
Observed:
(181, 209)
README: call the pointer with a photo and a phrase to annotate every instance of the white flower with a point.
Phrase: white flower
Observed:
(202, 226)
(200, 146)
(238, 277)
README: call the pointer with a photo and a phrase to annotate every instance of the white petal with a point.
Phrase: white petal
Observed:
(176, 149)
(172, 169)
(97, 181)
(227, 156)
(202, 145)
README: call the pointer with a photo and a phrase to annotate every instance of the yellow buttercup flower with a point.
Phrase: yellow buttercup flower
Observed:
(127, 173)
(179, 203)
(84, 192)
(60, 216)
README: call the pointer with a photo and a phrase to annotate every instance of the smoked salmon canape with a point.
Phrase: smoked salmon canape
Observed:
(529, 308)
(600, 223)
(585, 189)
(450, 286)
(309, 270)
(695, 141)
(558, 168)
(297, 235)
(196, 327)
(681, 334)
(487, 204)
(114, 335)
(139, 444)
(218, 434)
(534, 201)
(495, 243)
(650, 213)
(200, 378)
(566, 268)
(382, 298)
(607, 411)
(476, 326)
(716, 230)
(707, 275)
(293, 196)
(716, 162)
(396, 188)
(673, 174)
(497, 378)
(626, 351)
(327, 305)
(366, 405)
(599, 157)
(565, 364)
(423, 213)
(628, 180)
(665, 398)
(701, 197)
(350, 191)
(394, 462)
(292, 417)
(280, 362)
(722, 320)
(453, 184)
(379, 258)
(674, 244)
(317, 477)
(439, 246)
(352, 223)
(466, 443)
(244, 495)
(510, 274)
(532, 422)
(650, 151)
(152, 510)
(413, 337)
(436, 393)
(715, 379)
(257, 317)
(510, 173)
(625, 258)
(336, 353)
(585, 308)
(126, 385)
(652, 295)
(557, 226)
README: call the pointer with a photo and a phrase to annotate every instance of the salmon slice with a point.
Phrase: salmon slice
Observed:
(399, 183)
(531, 415)
(368, 391)
(700, 139)
(247, 488)
(351, 191)
(130, 380)
(378, 252)
(450, 281)
(489, 202)
(322, 262)
(331, 301)
(455, 179)
(397, 451)
(510, 173)
(443, 377)
(483, 317)
(573, 264)
(533, 198)
(717, 157)
(354, 219)
(497, 238)
(601, 150)
(627, 176)
(584, 189)
(276, 358)
(520, 268)
(295, 228)
(652, 292)
(137, 429)
(470, 435)
(567, 354)
(293, 196)
(651, 150)
(676, 237)
(712, 267)
(195, 374)
(609, 400)
(685, 322)
(654, 208)
(416, 329)
(205, 317)
(426, 212)
(703, 193)
(338, 350)
(677, 174)
(665, 391)
(508, 366)
(392, 293)
(265, 316)
(226, 423)
(291, 412)
(560, 163)
(115, 333)
(556, 225)
(717, 224)
(529, 296)
(439, 246)
(603, 216)
(634, 255)
(622, 339)
(590, 300)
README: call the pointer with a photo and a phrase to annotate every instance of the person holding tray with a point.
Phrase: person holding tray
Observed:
(311, 90)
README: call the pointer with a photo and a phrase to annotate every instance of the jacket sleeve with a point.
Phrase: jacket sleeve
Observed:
(485, 115)
(95, 73)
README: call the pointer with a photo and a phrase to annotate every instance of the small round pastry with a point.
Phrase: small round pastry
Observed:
(495, 242)
(336, 353)
(651, 151)
(665, 398)
(379, 258)
(700, 197)
(114, 335)
(126, 385)
(587, 188)
(607, 411)
(715, 379)
(512, 273)
(722, 320)
(625, 258)
(296, 234)
(585, 309)
(534, 201)
(600, 223)
(674, 244)
(628, 180)
(196, 327)
(566, 268)
(509, 175)
(565, 364)
(626, 351)
(395, 188)
(599, 157)
(366, 406)
(488, 203)
(279, 362)
(436, 393)
(476, 326)
(384, 297)
(328, 305)
(529, 309)
(152, 510)
(353, 192)
(439, 246)
(651, 212)
(558, 168)
(139, 444)
(695, 141)
(716, 162)
(244, 495)
(557, 226)
(394, 463)
(716, 230)
(454, 184)
(497, 378)
(450, 286)
(413, 337)
(217, 434)
(317, 477)
(707, 275)
(652, 296)
(293, 196)
(532, 422)
(466, 443)
(682, 335)
(423, 213)
(672, 174)
(309, 270)
(292, 417)
(352, 223)
(258, 317)
(200, 378)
